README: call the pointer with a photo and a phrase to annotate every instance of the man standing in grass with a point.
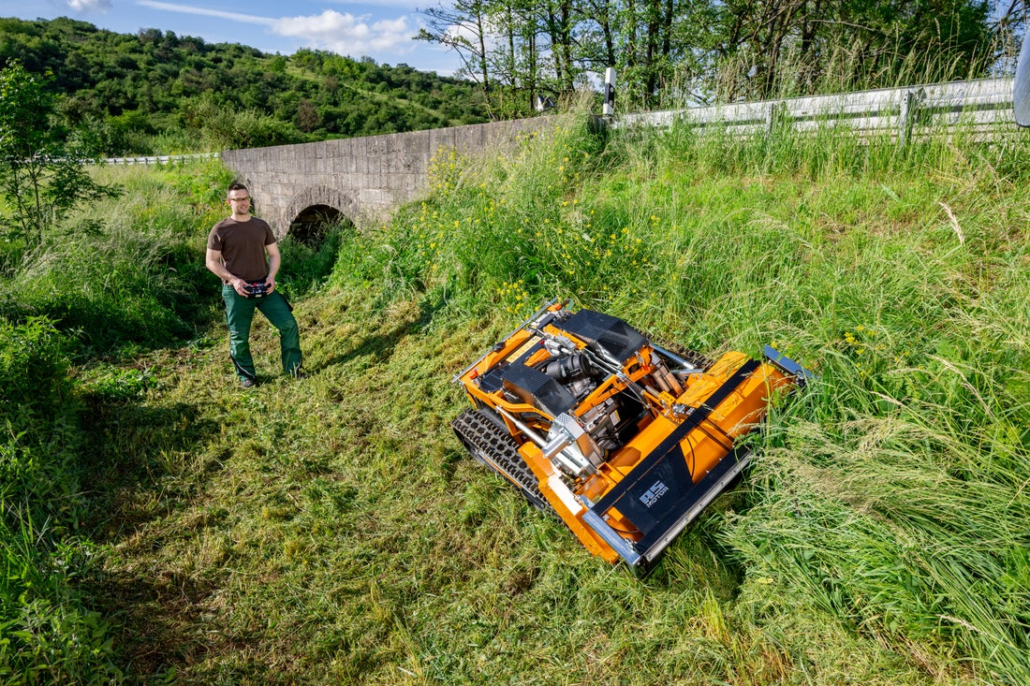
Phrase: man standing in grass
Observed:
(242, 251)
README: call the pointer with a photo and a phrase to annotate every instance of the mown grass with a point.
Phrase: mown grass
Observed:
(331, 530)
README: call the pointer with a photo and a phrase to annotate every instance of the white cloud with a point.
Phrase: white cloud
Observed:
(347, 34)
(189, 9)
(342, 33)
(89, 5)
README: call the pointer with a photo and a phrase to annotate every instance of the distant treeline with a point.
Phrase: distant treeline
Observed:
(156, 92)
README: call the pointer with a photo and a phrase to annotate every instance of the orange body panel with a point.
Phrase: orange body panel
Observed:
(735, 416)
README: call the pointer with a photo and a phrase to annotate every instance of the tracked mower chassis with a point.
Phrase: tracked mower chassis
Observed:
(626, 441)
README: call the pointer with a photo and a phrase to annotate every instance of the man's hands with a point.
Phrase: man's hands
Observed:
(240, 286)
(213, 262)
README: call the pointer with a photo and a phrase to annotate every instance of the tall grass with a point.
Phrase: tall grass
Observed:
(47, 634)
(125, 274)
(893, 493)
(843, 63)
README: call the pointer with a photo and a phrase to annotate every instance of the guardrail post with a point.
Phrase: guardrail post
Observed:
(772, 115)
(609, 92)
(909, 104)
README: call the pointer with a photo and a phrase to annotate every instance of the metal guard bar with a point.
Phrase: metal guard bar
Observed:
(788, 366)
(514, 331)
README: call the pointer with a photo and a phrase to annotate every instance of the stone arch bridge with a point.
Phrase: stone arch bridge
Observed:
(296, 187)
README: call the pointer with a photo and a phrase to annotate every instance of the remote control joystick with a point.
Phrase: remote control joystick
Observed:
(256, 289)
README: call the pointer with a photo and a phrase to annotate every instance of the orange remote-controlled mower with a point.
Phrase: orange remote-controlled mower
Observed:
(626, 441)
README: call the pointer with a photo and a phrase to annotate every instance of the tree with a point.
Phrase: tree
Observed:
(462, 29)
(790, 46)
(102, 75)
(710, 50)
(42, 172)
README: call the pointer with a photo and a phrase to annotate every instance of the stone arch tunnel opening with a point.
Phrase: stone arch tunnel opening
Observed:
(311, 226)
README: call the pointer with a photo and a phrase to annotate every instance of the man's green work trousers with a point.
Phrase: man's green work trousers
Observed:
(239, 313)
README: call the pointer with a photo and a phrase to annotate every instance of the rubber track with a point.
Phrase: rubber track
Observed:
(479, 431)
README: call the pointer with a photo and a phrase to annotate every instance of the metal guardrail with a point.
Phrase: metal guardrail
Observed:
(984, 104)
(160, 159)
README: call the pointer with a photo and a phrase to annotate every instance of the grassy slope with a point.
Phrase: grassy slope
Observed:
(331, 530)
(378, 97)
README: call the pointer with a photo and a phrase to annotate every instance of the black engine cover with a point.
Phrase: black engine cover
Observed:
(535, 388)
(615, 336)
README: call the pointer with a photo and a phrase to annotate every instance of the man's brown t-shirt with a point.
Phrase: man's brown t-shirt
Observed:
(242, 245)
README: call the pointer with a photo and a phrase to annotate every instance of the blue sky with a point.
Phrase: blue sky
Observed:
(380, 30)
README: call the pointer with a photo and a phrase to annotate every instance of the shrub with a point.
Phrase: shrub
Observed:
(46, 634)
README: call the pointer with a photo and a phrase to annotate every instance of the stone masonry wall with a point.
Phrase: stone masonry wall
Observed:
(364, 178)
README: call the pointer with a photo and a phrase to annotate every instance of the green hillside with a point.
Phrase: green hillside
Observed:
(164, 525)
(155, 92)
